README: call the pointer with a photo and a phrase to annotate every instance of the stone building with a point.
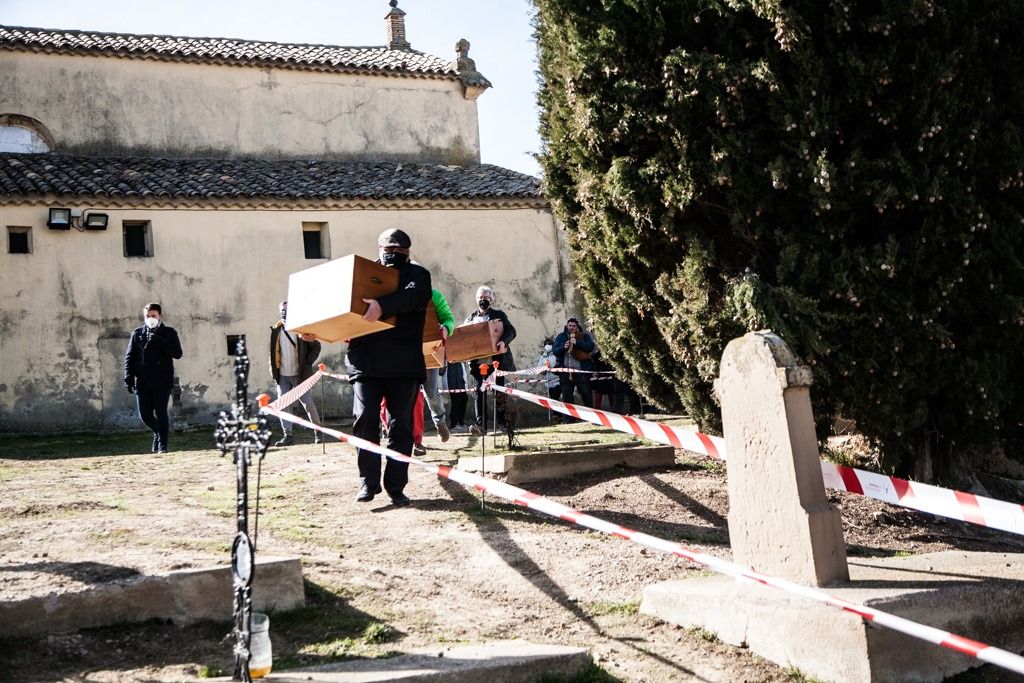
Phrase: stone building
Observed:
(200, 172)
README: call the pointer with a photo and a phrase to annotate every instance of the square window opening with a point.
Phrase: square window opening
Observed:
(233, 343)
(19, 240)
(138, 238)
(316, 240)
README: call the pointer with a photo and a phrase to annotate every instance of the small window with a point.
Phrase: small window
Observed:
(138, 238)
(233, 343)
(19, 240)
(316, 240)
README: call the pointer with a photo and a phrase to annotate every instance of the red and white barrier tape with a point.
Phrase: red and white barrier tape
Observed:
(958, 505)
(541, 370)
(676, 437)
(294, 394)
(951, 504)
(978, 650)
(334, 375)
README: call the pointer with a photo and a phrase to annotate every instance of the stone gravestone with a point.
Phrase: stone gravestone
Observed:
(780, 521)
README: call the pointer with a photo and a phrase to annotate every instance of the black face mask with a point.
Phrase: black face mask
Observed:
(394, 260)
(484, 304)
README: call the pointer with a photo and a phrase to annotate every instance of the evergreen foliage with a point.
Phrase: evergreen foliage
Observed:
(845, 173)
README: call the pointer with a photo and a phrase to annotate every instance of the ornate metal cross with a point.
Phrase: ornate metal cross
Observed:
(241, 432)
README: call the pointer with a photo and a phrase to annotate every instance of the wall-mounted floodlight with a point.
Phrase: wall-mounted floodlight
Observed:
(60, 219)
(95, 221)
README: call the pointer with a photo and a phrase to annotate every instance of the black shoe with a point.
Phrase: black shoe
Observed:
(317, 438)
(399, 499)
(366, 494)
(286, 440)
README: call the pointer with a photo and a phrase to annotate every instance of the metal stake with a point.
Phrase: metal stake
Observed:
(323, 414)
(242, 433)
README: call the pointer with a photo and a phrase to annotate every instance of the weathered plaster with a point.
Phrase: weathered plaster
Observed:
(66, 310)
(108, 105)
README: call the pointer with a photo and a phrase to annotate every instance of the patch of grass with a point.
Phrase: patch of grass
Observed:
(206, 671)
(327, 629)
(696, 463)
(592, 673)
(841, 456)
(377, 633)
(703, 634)
(92, 444)
(798, 676)
(625, 609)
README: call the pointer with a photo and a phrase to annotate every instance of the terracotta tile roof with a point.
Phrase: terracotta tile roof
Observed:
(228, 51)
(154, 179)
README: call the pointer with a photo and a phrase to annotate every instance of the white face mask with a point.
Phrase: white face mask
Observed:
(548, 347)
(151, 323)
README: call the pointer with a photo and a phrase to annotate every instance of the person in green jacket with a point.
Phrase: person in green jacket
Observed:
(432, 383)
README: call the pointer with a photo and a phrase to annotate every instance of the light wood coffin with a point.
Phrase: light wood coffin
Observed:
(327, 300)
(475, 341)
(433, 349)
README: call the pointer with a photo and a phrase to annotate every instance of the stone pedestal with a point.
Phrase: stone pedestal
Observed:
(780, 522)
(971, 594)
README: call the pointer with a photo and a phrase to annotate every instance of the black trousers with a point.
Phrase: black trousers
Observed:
(479, 397)
(152, 404)
(571, 382)
(400, 394)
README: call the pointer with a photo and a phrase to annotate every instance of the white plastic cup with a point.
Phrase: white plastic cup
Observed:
(260, 658)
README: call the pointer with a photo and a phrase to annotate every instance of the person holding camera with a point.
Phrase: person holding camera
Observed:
(573, 349)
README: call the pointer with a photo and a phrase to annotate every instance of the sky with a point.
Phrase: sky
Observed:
(499, 32)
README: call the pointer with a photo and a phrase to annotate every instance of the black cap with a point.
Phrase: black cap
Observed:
(394, 238)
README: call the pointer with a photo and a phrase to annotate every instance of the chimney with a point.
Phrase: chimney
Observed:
(395, 21)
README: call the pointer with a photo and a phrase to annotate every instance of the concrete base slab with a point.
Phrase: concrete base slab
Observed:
(184, 597)
(976, 595)
(508, 661)
(520, 468)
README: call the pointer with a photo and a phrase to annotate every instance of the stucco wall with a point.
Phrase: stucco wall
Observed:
(66, 309)
(115, 105)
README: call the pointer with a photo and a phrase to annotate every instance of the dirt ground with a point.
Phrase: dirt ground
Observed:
(381, 580)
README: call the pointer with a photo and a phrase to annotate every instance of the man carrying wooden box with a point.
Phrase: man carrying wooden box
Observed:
(388, 365)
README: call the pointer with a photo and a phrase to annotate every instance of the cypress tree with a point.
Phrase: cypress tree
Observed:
(845, 173)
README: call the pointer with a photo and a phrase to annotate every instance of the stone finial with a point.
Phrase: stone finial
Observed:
(780, 521)
(395, 25)
(474, 81)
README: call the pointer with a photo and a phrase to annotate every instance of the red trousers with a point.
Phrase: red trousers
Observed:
(417, 418)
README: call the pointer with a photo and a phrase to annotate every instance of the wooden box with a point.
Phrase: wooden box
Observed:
(433, 354)
(433, 349)
(327, 300)
(474, 341)
(431, 325)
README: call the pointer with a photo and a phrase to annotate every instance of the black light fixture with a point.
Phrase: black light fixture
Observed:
(95, 221)
(60, 219)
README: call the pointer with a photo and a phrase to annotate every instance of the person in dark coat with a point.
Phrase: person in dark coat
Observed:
(573, 350)
(388, 365)
(291, 363)
(485, 311)
(149, 371)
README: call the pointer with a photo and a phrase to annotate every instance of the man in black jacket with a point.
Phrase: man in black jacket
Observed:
(485, 311)
(149, 371)
(389, 365)
(291, 363)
